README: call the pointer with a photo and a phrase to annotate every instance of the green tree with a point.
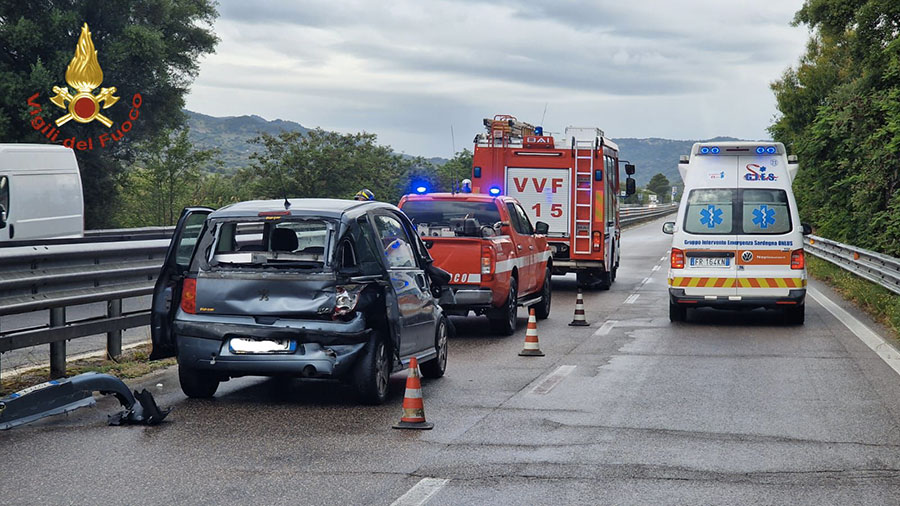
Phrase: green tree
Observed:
(330, 165)
(150, 47)
(167, 178)
(455, 170)
(840, 113)
(659, 184)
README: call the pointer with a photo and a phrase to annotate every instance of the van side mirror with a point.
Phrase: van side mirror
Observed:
(541, 228)
(2, 217)
(669, 227)
(806, 228)
(629, 169)
(630, 186)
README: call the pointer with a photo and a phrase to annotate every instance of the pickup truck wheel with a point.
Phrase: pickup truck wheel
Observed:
(372, 374)
(542, 308)
(435, 367)
(197, 384)
(504, 320)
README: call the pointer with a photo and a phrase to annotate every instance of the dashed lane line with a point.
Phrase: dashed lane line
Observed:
(876, 343)
(631, 298)
(606, 327)
(656, 267)
(421, 492)
(553, 379)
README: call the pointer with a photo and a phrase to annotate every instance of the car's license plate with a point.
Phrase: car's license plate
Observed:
(710, 261)
(240, 345)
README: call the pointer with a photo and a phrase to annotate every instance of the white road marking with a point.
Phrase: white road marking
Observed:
(553, 379)
(606, 327)
(421, 492)
(882, 348)
(663, 259)
(656, 267)
(631, 298)
(645, 281)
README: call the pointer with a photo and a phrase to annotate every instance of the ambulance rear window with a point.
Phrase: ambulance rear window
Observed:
(765, 212)
(709, 211)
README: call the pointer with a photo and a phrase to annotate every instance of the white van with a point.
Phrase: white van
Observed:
(40, 193)
(738, 240)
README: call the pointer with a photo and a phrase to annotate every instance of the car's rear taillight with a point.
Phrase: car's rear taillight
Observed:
(346, 298)
(487, 263)
(598, 239)
(797, 259)
(189, 295)
(677, 259)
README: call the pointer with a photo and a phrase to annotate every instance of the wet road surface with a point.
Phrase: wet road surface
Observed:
(727, 408)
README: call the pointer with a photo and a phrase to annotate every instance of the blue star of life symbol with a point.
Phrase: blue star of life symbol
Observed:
(711, 216)
(763, 217)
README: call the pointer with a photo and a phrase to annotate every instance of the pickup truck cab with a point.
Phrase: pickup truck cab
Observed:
(497, 260)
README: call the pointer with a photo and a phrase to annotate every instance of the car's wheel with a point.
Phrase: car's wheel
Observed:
(795, 315)
(435, 367)
(504, 320)
(542, 308)
(373, 372)
(677, 313)
(197, 384)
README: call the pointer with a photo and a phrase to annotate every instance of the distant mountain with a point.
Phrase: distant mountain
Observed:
(231, 136)
(652, 156)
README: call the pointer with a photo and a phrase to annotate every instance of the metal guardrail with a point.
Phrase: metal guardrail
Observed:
(55, 276)
(628, 215)
(875, 267)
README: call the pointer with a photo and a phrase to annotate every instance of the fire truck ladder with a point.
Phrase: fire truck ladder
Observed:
(584, 194)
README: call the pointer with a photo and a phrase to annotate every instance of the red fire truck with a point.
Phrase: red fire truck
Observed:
(569, 182)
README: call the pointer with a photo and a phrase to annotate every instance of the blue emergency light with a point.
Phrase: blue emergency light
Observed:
(761, 150)
(704, 150)
(770, 150)
(494, 191)
(714, 150)
(421, 189)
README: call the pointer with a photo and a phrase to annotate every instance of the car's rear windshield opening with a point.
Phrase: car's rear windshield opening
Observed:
(730, 211)
(444, 218)
(302, 243)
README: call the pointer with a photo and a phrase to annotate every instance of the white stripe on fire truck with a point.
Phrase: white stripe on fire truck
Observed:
(520, 262)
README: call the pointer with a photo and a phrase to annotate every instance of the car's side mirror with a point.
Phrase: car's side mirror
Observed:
(806, 228)
(629, 169)
(630, 186)
(669, 227)
(2, 217)
(541, 228)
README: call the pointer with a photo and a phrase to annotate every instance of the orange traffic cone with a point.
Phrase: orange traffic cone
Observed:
(532, 348)
(413, 404)
(578, 320)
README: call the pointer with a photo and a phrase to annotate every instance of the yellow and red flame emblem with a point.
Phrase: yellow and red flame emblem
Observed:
(84, 74)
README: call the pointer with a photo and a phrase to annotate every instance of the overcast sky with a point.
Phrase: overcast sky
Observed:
(409, 69)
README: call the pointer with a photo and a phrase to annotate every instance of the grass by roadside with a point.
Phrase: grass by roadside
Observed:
(132, 364)
(880, 303)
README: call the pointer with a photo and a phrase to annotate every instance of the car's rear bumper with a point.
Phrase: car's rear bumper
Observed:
(794, 297)
(323, 348)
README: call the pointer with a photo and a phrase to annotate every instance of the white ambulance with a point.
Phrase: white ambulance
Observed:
(738, 240)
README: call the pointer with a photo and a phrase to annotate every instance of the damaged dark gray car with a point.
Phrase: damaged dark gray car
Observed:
(315, 288)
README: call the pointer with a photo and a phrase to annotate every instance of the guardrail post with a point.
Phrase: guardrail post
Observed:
(57, 349)
(114, 338)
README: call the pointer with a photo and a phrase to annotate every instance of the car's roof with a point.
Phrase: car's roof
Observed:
(326, 208)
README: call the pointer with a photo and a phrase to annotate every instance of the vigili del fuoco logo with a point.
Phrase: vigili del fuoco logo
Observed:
(84, 75)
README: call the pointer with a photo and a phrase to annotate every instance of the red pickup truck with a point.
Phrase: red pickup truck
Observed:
(498, 261)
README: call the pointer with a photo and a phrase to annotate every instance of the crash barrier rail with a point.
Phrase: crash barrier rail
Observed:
(635, 214)
(104, 266)
(875, 267)
(56, 276)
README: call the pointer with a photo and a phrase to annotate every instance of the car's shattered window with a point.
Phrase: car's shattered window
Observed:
(294, 243)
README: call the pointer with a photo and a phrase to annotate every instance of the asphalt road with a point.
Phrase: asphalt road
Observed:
(727, 408)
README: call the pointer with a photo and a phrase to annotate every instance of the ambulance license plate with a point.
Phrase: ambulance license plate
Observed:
(710, 261)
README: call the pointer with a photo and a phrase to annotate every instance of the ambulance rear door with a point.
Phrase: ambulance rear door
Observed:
(708, 228)
(766, 226)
